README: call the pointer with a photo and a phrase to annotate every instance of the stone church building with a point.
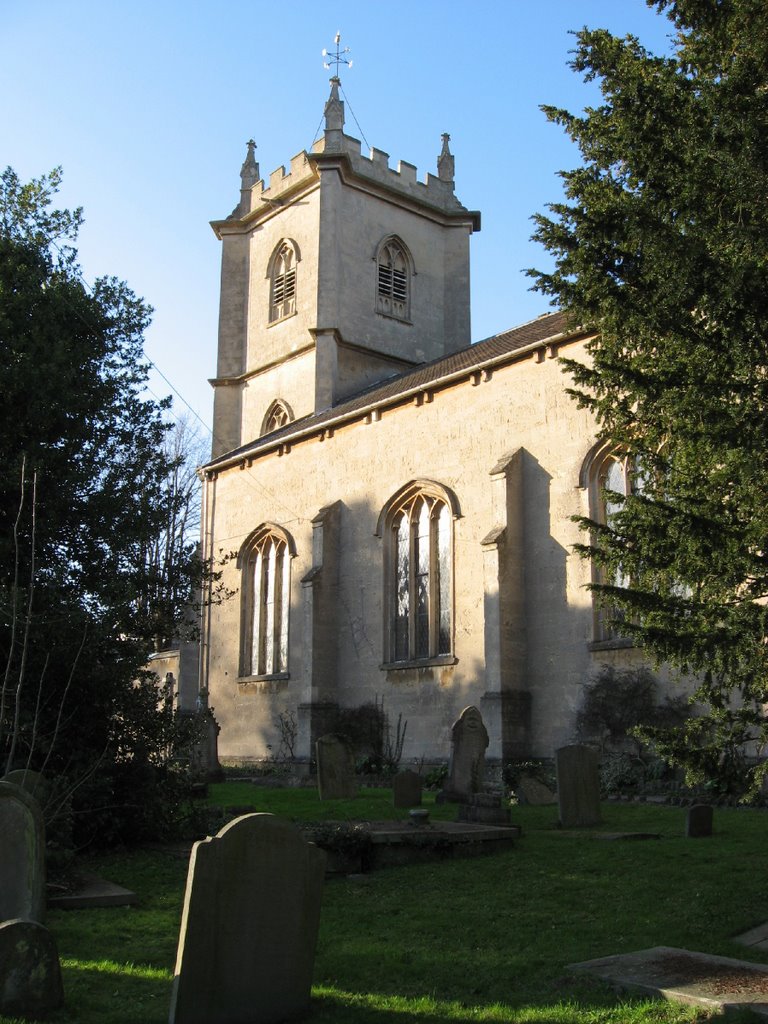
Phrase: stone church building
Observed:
(393, 505)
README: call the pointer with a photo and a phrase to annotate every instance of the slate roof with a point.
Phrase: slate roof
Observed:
(549, 328)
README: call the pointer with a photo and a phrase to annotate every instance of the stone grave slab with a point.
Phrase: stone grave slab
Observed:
(578, 786)
(92, 891)
(22, 855)
(700, 979)
(406, 789)
(335, 768)
(30, 974)
(757, 937)
(249, 925)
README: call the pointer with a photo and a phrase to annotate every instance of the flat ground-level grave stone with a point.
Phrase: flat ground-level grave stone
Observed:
(335, 768)
(715, 982)
(578, 786)
(22, 855)
(30, 975)
(249, 925)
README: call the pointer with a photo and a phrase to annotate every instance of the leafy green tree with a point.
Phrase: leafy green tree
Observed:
(83, 498)
(661, 244)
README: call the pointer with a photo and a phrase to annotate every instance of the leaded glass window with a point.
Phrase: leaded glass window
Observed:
(420, 579)
(267, 605)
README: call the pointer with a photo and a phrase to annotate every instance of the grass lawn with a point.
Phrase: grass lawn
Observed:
(485, 939)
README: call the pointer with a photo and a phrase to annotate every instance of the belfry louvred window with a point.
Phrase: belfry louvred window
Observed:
(283, 282)
(392, 296)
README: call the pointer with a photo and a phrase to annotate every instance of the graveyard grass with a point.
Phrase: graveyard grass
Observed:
(484, 939)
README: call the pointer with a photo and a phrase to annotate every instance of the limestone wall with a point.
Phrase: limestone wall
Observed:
(456, 439)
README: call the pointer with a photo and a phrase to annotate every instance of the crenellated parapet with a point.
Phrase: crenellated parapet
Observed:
(334, 147)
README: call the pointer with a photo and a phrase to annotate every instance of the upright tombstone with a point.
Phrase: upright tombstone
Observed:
(22, 855)
(406, 789)
(249, 925)
(33, 782)
(30, 974)
(335, 768)
(466, 770)
(698, 821)
(578, 786)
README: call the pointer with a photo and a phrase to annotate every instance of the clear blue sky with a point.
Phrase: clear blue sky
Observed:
(148, 104)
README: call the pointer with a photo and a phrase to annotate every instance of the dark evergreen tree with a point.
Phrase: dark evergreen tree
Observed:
(83, 498)
(661, 244)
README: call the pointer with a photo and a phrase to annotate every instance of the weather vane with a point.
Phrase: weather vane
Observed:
(336, 58)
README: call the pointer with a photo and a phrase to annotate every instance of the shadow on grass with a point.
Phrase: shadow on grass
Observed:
(591, 1003)
(114, 993)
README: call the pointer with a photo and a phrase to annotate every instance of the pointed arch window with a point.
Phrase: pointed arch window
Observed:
(282, 274)
(607, 473)
(266, 567)
(278, 415)
(393, 279)
(418, 527)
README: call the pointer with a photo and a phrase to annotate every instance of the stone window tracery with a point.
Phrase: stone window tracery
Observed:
(282, 291)
(278, 415)
(266, 567)
(418, 525)
(393, 277)
(608, 473)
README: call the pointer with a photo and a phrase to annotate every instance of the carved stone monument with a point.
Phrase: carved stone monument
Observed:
(249, 925)
(466, 770)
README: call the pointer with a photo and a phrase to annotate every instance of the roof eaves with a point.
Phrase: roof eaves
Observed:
(324, 421)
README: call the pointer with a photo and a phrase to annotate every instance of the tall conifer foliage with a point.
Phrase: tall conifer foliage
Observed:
(661, 244)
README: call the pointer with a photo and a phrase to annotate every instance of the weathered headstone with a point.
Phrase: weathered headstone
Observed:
(469, 741)
(35, 784)
(335, 768)
(406, 789)
(249, 925)
(578, 786)
(30, 974)
(698, 821)
(22, 855)
(534, 792)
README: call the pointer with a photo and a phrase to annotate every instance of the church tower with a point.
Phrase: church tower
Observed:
(337, 274)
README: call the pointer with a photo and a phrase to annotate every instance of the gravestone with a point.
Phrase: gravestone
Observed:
(33, 782)
(469, 741)
(22, 855)
(578, 786)
(335, 768)
(698, 821)
(406, 789)
(249, 925)
(30, 975)
(534, 792)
